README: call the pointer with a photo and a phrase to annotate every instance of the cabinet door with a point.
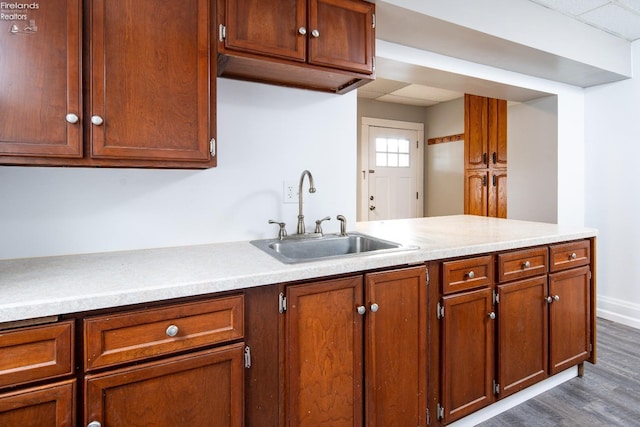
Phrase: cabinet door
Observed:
(324, 353)
(275, 27)
(341, 34)
(522, 334)
(396, 351)
(152, 97)
(569, 318)
(467, 359)
(475, 192)
(46, 406)
(40, 74)
(497, 139)
(497, 197)
(476, 113)
(192, 390)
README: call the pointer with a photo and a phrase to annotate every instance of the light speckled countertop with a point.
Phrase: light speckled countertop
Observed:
(38, 287)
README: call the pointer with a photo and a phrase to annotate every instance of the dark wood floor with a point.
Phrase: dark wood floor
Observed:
(607, 395)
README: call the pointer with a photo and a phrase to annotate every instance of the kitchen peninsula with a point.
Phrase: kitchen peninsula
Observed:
(469, 272)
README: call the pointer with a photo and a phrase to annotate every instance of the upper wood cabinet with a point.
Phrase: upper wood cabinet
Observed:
(485, 132)
(41, 93)
(150, 80)
(148, 73)
(316, 44)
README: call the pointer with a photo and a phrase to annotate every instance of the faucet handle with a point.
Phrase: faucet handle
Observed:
(282, 232)
(343, 225)
(319, 224)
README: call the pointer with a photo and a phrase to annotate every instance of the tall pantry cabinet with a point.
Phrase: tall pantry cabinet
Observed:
(485, 153)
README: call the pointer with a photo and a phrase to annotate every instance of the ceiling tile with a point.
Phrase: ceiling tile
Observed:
(631, 4)
(384, 86)
(572, 7)
(616, 20)
(427, 93)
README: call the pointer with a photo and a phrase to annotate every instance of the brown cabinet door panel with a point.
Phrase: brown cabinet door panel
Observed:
(498, 194)
(522, 334)
(395, 337)
(475, 134)
(198, 389)
(569, 318)
(497, 147)
(150, 80)
(324, 353)
(46, 406)
(475, 192)
(266, 27)
(467, 359)
(341, 34)
(41, 82)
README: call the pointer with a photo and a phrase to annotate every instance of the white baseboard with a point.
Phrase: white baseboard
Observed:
(619, 311)
(515, 399)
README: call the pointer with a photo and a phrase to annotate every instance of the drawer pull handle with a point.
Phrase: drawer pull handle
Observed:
(471, 274)
(573, 256)
(172, 331)
(526, 264)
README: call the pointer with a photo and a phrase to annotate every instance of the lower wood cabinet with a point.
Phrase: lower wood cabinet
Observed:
(52, 405)
(356, 350)
(467, 353)
(569, 318)
(200, 389)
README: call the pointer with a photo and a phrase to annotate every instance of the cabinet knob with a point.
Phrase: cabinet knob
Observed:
(573, 256)
(471, 274)
(361, 309)
(526, 264)
(172, 331)
(302, 31)
(374, 307)
(556, 297)
(72, 118)
(315, 33)
(492, 315)
(549, 300)
(97, 120)
(94, 424)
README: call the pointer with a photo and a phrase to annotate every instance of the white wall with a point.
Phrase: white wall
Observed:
(612, 139)
(444, 178)
(532, 135)
(266, 134)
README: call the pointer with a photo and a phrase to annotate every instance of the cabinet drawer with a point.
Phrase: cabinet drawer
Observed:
(136, 335)
(522, 264)
(467, 274)
(569, 255)
(36, 353)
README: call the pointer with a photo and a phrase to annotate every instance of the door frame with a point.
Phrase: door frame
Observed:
(363, 161)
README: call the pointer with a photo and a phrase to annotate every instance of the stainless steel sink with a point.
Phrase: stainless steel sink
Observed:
(293, 250)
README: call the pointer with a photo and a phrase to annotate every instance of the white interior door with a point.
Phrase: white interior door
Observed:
(394, 172)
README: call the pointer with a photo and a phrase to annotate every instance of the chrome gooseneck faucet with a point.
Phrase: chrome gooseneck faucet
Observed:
(312, 189)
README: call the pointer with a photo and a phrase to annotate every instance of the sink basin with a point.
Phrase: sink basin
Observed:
(292, 250)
